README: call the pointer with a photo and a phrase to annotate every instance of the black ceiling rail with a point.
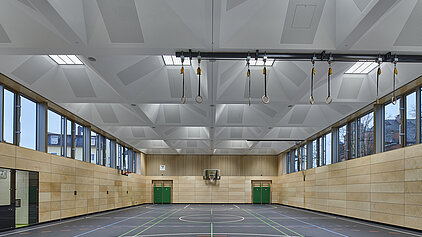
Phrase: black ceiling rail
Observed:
(322, 56)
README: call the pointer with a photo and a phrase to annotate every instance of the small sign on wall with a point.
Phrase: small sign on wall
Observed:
(162, 167)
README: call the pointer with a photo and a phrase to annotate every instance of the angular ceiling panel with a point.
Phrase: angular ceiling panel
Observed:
(33, 68)
(107, 113)
(139, 70)
(121, 20)
(4, 38)
(79, 81)
(411, 34)
(302, 21)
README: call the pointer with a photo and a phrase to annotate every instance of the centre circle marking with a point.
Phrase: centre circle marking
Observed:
(223, 218)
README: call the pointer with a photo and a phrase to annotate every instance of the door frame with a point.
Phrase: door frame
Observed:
(162, 181)
(262, 182)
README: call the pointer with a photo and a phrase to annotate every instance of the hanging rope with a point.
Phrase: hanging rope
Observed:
(182, 71)
(248, 75)
(394, 98)
(311, 98)
(378, 78)
(329, 99)
(199, 98)
(265, 99)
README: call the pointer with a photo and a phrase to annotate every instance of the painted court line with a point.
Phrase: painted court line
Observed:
(99, 228)
(319, 227)
(277, 223)
(358, 222)
(265, 222)
(186, 206)
(157, 222)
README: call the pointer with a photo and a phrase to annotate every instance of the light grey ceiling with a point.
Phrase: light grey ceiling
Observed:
(130, 93)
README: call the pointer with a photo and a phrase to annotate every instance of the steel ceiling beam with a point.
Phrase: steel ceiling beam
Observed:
(322, 56)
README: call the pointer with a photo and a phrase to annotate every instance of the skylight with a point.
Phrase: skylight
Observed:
(362, 67)
(260, 62)
(171, 60)
(66, 59)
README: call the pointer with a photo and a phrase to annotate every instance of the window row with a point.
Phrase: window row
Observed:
(23, 121)
(399, 124)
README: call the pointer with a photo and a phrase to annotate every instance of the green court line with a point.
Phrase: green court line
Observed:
(211, 223)
(144, 224)
(265, 222)
(156, 223)
(277, 223)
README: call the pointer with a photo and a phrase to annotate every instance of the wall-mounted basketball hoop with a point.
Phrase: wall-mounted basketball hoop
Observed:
(212, 175)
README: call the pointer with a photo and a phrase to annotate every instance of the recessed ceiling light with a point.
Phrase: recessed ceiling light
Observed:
(362, 67)
(66, 59)
(171, 60)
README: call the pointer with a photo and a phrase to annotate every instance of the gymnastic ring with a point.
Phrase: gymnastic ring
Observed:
(311, 100)
(199, 99)
(183, 100)
(265, 99)
(394, 100)
(329, 100)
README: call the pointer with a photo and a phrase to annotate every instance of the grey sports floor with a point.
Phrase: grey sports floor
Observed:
(211, 220)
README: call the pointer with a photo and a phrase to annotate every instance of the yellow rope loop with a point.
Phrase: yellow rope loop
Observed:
(183, 100)
(379, 71)
(313, 71)
(330, 71)
(265, 99)
(264, 71)
(182, 70)
(248, 73)
(198, 71)
(395, 70)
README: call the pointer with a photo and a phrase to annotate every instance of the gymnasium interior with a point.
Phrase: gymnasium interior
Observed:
(210, 118)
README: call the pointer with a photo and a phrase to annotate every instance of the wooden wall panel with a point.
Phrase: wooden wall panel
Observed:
(193, 165)
(59, 177)
(384, 187)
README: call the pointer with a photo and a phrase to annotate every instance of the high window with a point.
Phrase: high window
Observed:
(93, 147)
(366, 135)
(28, 123)
(79, 142)
(69, 125)
(410, 122)
(55, 138)
(392, 126)
(8, 116)
(314, 153)
(342, 143)
(108, 153)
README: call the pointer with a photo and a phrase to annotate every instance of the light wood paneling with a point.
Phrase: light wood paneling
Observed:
(194, 165)
(59, 177)
(385, 187)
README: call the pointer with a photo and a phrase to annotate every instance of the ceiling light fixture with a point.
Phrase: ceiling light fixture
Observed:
(362, 67)
(171, 60)
(66, 59)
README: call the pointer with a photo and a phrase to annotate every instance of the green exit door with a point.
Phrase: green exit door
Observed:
(261, 193)
(162, 194)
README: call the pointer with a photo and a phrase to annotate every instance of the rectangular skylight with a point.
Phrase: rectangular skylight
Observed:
(171, 60)
(260, 62)
(362, 67)
(66, 59)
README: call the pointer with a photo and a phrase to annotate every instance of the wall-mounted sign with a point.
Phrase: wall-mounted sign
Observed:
(162, 167)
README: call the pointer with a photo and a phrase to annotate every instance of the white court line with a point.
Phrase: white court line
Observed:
(319, 227)
(186, 206)
(189, 234)
(59, 222)
(236, 206)
(99, 228)
(363, 223)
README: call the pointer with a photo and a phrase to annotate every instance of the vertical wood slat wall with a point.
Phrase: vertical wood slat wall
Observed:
(194, 165)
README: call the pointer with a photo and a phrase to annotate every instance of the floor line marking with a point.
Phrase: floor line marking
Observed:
(236, 206)
(345, 219)
(145, 223)
(102, 227)
(59, 222)
(264, 222)
(211, 223)
(186, 206)
(277, 223)
(319, 227)
(156, 223)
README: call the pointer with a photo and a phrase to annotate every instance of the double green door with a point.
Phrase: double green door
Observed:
(162, 194)
(261, 194)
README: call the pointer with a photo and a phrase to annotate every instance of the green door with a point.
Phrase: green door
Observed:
(158, 195)
(266, 195)
(256, 195)
(166, 194)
